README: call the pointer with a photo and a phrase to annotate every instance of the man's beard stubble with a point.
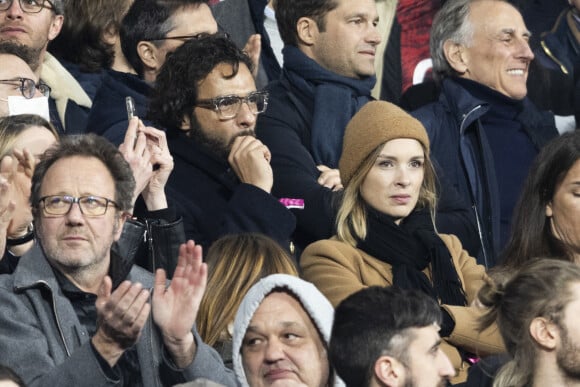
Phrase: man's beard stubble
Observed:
(568, 356)
(215, 145)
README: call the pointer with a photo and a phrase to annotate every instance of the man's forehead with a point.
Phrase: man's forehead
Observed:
(221, 81)
(351, 8)
(492, 15)
(88, 171)
(424, 338)
(14, 67)
(284, 307)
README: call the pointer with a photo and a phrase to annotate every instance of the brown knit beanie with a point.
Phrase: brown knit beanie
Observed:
(375, 124)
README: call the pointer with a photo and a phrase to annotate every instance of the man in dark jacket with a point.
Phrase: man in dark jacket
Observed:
(74, 314)
(149, 31)
(484, 132)
(206, 99)
(327, 77)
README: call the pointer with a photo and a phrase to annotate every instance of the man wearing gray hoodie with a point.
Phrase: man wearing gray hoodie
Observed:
(281, 333)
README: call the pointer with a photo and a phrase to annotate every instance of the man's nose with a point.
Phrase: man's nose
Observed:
(525, 51)
(75, 214)
(274, 351)
(14, 11)
(245, 117)
(446, 369)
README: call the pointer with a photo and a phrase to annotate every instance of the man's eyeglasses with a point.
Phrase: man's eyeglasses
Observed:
(190, 37)
(27, 86)
(28, 6)
(228, 106)
(60, 205)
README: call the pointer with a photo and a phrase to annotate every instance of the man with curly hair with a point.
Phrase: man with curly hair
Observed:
(205, 97)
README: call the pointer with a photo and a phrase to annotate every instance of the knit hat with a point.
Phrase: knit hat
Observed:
(315, 304)
(376, 123)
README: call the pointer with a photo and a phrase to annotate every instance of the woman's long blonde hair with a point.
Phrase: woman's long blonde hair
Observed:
(235, 263)
(351, 220)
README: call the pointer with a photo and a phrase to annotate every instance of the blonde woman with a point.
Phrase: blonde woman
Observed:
(386, 235)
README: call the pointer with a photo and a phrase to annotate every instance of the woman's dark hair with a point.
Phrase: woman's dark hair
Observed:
(531, 229)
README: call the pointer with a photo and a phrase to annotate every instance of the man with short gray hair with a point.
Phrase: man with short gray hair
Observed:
(484, 131)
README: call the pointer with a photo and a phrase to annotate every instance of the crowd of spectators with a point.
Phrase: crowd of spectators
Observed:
(306, 192)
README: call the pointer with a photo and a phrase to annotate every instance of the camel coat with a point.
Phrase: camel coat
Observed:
(338, 270)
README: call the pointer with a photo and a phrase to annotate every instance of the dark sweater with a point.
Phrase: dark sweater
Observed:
(510, 146)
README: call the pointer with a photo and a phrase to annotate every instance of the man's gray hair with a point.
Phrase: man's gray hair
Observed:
(450, 23)
(58, 6)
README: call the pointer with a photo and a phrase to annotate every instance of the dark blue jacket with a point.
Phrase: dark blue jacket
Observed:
(213, 202)
(462, 155)
(108, 116)
(285, 129)
(68, 103)
(90, 82)
(75, 120)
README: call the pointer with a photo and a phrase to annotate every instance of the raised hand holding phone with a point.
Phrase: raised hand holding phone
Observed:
(146, 150)
(134, 149)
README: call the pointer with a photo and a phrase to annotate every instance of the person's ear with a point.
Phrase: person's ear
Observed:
(456, 56)
(148, 54)
(544, 332)
(389, 371)
(307, 31)
(55, 27)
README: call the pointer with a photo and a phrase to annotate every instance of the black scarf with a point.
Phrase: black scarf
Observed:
(409, 248)
(335, 99)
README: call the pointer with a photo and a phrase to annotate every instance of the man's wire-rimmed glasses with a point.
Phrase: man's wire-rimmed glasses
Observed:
(228, 106)
(27, 86)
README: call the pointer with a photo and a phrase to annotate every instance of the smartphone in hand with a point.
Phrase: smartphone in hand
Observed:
(130, 106)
